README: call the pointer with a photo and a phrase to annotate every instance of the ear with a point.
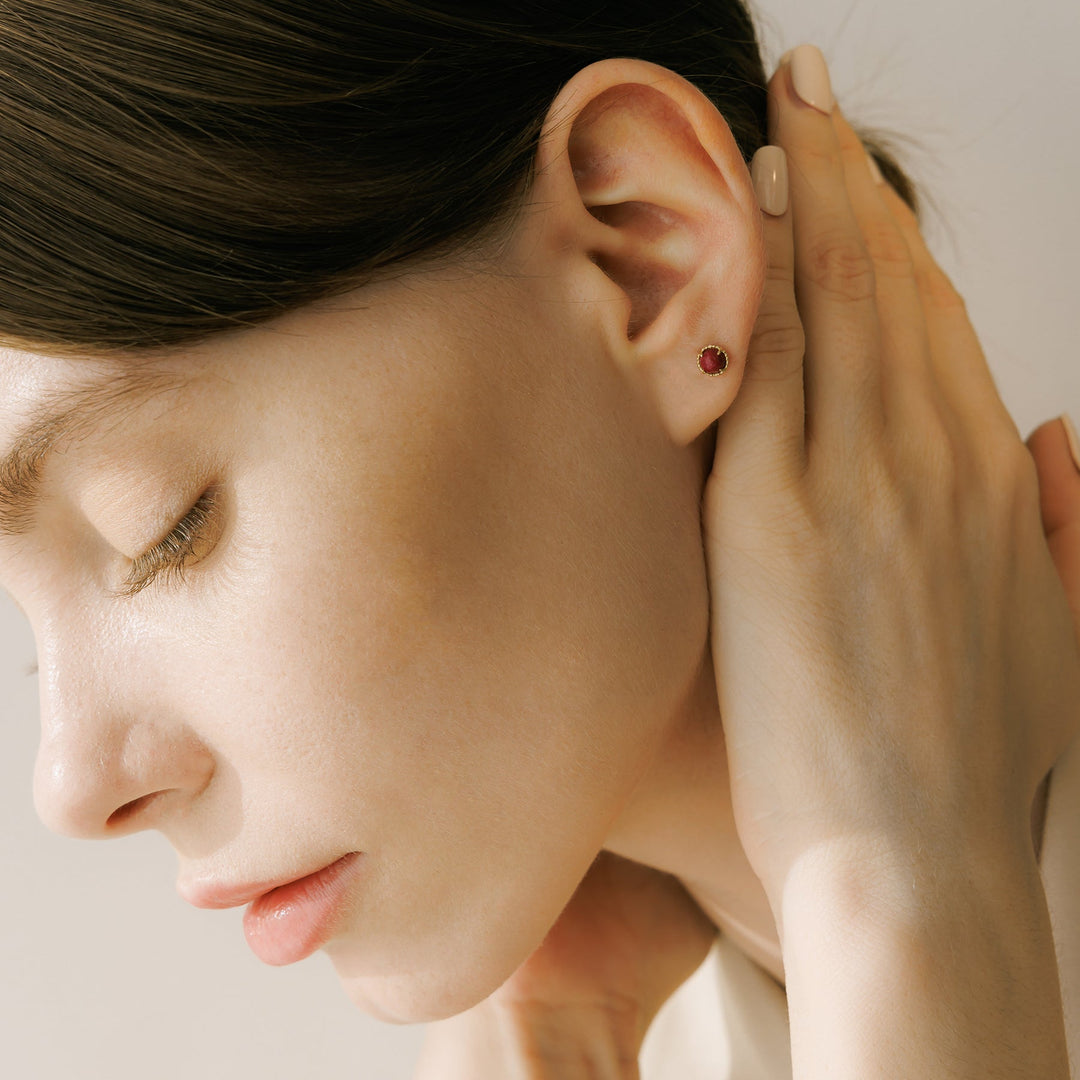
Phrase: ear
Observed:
(650, 208)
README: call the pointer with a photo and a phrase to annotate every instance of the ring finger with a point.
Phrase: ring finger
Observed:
(959, 362)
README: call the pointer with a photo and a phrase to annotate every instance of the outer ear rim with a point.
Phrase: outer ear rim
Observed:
(592, 80)
(662, 357)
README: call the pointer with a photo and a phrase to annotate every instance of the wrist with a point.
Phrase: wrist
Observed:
(907, 963)
(891, 885)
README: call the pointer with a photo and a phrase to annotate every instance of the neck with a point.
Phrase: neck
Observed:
(680, 820)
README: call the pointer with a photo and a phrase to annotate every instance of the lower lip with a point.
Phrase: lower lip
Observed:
(290, 922)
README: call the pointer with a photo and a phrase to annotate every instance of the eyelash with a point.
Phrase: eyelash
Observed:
(171, 556)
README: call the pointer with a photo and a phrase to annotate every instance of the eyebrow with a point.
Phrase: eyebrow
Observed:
(64, 417)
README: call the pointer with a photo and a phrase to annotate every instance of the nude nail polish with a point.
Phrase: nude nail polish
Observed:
(768, 170)
(810, 77)
(1072, 438)
(875, 169)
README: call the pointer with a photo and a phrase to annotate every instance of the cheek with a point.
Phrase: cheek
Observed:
(478, 802)
(460, 666)
(499, 696)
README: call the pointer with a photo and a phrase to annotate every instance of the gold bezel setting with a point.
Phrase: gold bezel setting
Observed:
(720, 362)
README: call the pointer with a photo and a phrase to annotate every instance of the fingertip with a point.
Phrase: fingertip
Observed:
(810, 78)
(780, 85)
(1059, 479)
(1072, 439)
(1055, 446)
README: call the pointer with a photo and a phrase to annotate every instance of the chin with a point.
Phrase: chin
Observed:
(438, 960)
(404, 1000)
(415, 997)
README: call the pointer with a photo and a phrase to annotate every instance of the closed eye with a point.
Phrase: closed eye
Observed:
(191, 541)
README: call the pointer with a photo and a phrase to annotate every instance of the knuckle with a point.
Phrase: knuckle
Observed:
(842, 269)
(886, 502)
(925, 456)
(1008, 473)
(779, 275)
(875, 507)
(1001, 498)
(889, 250)
(778, 333)
(938, 292)
(937, 456)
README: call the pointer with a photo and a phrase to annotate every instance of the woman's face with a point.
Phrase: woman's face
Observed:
(452, 602)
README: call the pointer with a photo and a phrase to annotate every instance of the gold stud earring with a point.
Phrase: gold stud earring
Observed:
(713, 360)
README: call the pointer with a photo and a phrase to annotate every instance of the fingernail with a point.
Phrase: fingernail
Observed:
(810, 77)
(768, 170)
(1073, 439)
(785, 58)
(875, 169)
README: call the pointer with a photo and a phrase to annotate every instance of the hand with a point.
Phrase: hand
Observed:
(629, 937)
(896, 659)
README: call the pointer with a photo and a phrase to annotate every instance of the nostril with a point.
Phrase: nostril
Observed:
(125, 813)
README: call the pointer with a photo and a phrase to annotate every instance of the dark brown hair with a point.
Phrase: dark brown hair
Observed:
(170, 169)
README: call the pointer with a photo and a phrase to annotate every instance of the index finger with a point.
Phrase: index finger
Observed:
(763, 431)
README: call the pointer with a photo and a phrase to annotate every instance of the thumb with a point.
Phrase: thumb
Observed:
(1056, 450)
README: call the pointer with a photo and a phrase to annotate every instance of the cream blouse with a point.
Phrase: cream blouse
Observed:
(729, 1020)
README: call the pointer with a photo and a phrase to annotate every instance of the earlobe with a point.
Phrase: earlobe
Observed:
(646, 185)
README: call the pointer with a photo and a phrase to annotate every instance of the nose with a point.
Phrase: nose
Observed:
(103, 771)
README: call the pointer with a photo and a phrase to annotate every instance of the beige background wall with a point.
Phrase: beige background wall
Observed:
(106, 975)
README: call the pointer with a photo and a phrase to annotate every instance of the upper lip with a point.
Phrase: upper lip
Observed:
(214, 894)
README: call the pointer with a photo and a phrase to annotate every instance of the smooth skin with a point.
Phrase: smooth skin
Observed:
(909, 970)
(853, 719)
(456, 614)
(928, 675)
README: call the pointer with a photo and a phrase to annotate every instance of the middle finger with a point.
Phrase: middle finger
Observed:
(834, 274)
(909, 385)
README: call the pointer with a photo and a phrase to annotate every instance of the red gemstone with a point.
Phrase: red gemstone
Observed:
(712, 360)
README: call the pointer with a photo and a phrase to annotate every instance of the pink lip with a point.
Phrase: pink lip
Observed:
(288, 920)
